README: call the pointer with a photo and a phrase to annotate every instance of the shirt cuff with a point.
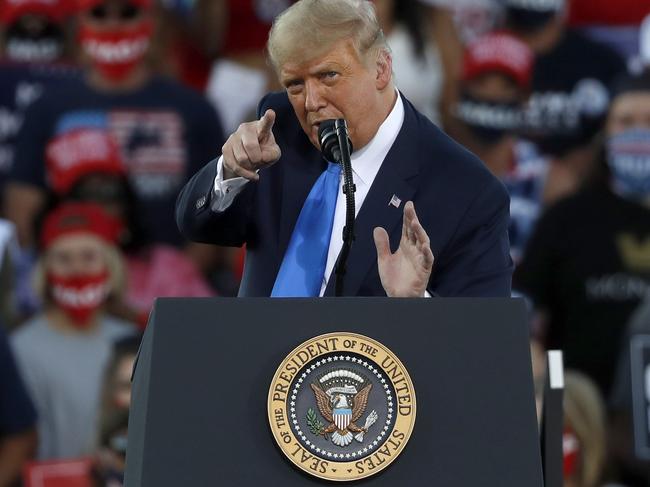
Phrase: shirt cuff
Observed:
(225, 191)
(426, 294)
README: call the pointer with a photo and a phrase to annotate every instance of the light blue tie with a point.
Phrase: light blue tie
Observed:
(303, 266)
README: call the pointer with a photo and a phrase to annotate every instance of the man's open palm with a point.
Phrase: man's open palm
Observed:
(406, 272)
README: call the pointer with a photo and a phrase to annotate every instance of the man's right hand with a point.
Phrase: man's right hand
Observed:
(250, 148)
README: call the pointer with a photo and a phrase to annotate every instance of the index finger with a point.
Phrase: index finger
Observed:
(266, 123)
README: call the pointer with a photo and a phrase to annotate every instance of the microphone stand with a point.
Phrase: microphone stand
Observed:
(348, 189)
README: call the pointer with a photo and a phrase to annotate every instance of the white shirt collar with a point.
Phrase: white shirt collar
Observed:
(367, 160)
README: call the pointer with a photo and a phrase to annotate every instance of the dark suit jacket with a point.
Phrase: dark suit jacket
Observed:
(463, 208)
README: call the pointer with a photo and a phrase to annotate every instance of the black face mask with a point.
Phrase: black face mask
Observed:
(489, 121)
(526, 20)
(44, 45)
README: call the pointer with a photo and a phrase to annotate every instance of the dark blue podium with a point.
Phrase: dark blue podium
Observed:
(199, 407)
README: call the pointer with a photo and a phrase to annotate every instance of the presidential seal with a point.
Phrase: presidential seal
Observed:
(341, 406)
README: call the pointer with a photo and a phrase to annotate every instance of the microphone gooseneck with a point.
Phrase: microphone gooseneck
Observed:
(336, 147)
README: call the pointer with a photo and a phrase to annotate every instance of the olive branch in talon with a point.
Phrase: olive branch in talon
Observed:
(315, 425)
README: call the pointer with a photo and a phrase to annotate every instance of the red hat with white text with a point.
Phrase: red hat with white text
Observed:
(500, 52)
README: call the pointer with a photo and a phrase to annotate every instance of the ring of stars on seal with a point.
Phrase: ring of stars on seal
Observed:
(341, 406)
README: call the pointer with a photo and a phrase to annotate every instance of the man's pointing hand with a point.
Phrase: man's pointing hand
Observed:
(251, 148)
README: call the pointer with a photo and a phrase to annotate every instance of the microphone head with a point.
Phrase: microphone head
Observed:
(329, 141)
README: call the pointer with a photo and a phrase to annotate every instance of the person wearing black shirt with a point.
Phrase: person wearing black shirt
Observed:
(587, 266)
(162, 129)
(570, 90)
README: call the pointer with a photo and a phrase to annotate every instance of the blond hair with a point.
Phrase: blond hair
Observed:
(310, 28)
(585, 414)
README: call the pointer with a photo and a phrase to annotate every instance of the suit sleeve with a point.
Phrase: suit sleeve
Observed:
(194, 215)
(196, 220)
(477, 262)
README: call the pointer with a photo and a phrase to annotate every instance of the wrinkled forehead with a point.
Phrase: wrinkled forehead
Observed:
(341, 54)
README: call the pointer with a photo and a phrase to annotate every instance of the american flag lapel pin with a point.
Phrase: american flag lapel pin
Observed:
(395, 201)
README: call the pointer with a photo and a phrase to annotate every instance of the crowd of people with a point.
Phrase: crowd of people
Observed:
(108, 107)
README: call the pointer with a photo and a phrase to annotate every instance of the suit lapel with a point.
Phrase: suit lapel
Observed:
(395, 178)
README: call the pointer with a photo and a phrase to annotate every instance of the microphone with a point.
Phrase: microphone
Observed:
(336, 146)
(330, 132)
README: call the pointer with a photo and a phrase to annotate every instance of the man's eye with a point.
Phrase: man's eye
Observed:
(330, 74)
(294, 86)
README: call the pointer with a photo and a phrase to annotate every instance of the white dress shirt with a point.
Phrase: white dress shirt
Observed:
(365, 166)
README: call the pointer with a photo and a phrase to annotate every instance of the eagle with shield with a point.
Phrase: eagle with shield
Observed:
(342, 405)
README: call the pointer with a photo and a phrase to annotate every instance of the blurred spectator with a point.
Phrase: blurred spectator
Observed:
(538, 358)
(416, 60)
(190, 36)
(644, 45)
(494, 90)
(86, 166)
(444, 35)
(34, 30)
(164, 131)
(242, 76)
(614, 23)
(473, 18)
(8, 255)
(32, 48)
(17, 418)
(586, 265)
(62, 353)
(570, 89)
(630, 402)
(113, 425)
(584, 443)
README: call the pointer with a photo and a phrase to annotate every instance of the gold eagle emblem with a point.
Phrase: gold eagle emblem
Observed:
(342, 418)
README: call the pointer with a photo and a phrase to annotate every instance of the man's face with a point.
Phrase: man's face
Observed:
(628, 111)
(338, 85)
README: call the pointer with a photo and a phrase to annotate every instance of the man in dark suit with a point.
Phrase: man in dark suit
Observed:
(334, 63)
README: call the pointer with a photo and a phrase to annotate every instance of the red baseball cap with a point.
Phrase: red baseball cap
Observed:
(80, 218)
(499, 52)
(72, 155)
(56, 10)
(83, 5)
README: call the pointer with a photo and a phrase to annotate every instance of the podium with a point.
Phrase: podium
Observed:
(201, 384)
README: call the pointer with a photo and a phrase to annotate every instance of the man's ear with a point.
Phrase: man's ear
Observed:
(384, 70)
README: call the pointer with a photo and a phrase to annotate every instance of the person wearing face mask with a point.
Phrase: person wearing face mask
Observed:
(34, 55)
(86, 166)
(34, 30)
(162, 129)
(586, 267)
(494, 88)
(62, 352)
(569, 96)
